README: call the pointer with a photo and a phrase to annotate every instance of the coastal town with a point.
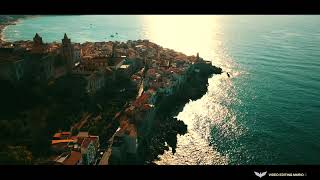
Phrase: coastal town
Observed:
(138, 77)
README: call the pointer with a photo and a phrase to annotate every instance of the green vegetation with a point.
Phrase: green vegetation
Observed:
(16, 155)
(32, 112)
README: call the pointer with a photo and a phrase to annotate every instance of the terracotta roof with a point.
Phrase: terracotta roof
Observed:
(57, 135)
(73, 159)
(61, 141)
(147, 107)
(62, 135)
(141, 100)
(83, 134)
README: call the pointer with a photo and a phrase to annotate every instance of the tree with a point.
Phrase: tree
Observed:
(18, 155)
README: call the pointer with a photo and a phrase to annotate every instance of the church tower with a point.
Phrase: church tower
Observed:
(67, 52)
(37, 40)
(38, 46)
(113, 50)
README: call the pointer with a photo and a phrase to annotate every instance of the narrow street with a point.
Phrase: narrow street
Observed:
(105, 158)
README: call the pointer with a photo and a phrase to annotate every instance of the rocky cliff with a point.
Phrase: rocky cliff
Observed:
(165, 128)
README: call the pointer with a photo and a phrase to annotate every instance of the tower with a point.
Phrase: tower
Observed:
(37, 40)
(113, 50)
(67, 52)
(198, 57)
(38, 46)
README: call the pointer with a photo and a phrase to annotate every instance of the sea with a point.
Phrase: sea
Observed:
(266, 113)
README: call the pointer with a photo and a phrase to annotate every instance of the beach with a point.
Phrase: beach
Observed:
(6, 20)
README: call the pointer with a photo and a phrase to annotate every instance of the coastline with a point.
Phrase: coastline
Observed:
(2, 28)
(13, 21)
(162, 130)
(166, 126)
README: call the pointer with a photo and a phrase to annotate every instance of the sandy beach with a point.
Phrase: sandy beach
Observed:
(3, 25)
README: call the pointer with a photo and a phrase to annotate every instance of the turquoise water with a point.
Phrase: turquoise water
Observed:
(268, 112)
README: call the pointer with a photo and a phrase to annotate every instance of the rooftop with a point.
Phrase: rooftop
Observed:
(125, 66)
(61, 141)
(83, 134)
(59, 135)
(73, 159)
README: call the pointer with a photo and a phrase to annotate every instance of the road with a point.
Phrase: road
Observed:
(105, 158)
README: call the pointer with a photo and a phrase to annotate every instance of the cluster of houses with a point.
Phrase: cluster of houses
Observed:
(43, 62)
(81, 149)
(96, 62)
(162, 74)
(124, 143)
(34, 60)
(154, 69)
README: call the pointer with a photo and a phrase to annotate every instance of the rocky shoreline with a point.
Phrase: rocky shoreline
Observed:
(166, 127)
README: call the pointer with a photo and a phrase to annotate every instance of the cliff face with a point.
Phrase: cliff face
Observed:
(164, 128)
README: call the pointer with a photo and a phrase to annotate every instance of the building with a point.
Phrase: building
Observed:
(124, 145)
(12, 66)
(38, 46)
(125, 70)
(46, 67)
(75, 150)
(88, 146)
(95, 63)
(129, 66)
(61, 135)
(77, 53)
(74, 158)
(61, 146)
(115, 62)
(35, 63)
(67, 52)
(95, 82)
(89, 150)
(118, 151)
(40, 67)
